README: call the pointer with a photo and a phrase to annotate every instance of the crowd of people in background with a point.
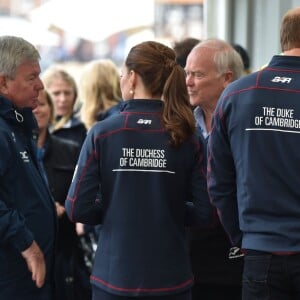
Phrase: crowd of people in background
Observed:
(151, 180)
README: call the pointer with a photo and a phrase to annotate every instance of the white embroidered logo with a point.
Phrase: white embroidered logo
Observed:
(281, 79)
(144, 121)
(24, 156)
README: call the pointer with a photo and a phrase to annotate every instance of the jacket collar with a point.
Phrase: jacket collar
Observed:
(17, 117)
(153, 105)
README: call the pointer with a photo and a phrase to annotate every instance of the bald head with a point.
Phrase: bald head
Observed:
(210, 67)
(222, 55)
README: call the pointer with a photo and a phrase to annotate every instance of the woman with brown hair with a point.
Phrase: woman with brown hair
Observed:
(147, 163)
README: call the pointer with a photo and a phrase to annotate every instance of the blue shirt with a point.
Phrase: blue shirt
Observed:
(200, 123)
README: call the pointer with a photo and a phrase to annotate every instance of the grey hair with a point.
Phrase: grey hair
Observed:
(13, 52)
(226, 58)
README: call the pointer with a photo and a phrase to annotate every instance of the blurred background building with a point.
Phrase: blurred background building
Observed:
(80, 30)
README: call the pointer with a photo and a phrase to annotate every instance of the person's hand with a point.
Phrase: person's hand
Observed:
(60, 210)
(80, 229)
(36, 263)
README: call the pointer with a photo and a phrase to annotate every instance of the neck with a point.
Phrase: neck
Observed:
(292, 52)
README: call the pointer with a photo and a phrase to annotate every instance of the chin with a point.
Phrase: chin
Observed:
(34, 105)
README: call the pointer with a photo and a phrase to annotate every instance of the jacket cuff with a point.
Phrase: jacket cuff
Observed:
(22, 240)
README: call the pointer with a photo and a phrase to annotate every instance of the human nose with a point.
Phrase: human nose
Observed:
(63, 97)
(189, 79)
(40, 85)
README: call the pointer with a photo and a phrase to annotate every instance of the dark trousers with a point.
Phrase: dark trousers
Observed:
(203, 291)
(271, 277)
(99, 294)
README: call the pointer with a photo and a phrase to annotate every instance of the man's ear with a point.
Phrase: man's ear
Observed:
(3, 85)
(228, 78)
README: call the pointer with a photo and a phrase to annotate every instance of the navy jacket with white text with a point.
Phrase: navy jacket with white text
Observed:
(144, 185)
(27, 210)
(254, 158)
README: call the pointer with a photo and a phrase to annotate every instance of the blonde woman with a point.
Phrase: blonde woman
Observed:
(63, 90)
(99, 90)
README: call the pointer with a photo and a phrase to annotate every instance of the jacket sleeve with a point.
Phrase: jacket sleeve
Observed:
(83, 203)
(199, 211)
(13, 229)
(221, 175)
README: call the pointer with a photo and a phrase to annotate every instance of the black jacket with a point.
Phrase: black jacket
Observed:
(74, 131)
(71, 274)
(59, 162)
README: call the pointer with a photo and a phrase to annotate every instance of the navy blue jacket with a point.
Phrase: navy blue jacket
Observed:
(115, 109)
(27, 210)
(144, 185)
(254, 158)
(209, 249)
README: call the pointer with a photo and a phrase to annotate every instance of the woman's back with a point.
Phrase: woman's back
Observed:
(145, 184)
(139, 175)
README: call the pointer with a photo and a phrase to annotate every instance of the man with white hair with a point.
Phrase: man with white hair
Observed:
(211, 66)
(27, 212)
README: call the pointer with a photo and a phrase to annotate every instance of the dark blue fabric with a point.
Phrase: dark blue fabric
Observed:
(216, 276)
(142, 248)
(271, 277)
(111, 111)
(40, 156)
(253, 178)
(99, 294)
(27, 210)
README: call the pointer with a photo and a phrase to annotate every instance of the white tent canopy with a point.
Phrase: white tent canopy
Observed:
(25, 29)
(94, 20)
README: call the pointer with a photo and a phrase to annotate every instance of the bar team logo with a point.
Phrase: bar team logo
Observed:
(282, 79)
(144, 121)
